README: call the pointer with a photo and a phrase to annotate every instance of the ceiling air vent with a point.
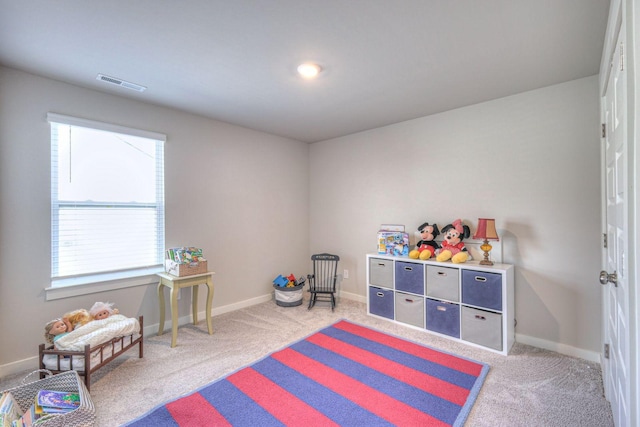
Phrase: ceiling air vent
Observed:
(121, 83)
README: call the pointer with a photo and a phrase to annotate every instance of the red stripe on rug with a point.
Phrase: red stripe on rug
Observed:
(284, 406)
(195, 411)
(420, 380)
(374, 401)
(417, 350)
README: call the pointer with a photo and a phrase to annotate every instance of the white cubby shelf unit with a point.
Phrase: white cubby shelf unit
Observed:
(467, 302)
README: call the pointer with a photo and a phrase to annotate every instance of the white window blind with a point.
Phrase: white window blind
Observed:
(107, 198)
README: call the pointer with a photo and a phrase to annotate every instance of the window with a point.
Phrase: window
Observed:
(107, 199)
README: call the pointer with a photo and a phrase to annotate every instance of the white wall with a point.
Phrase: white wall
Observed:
(248, 199)
(239, 194)
(530, 160)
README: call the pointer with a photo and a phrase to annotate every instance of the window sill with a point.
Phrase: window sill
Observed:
(75, 286)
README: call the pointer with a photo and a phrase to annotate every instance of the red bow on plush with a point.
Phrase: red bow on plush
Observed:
(457, 224)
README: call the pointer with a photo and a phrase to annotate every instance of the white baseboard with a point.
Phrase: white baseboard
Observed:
(567, 350)
(31, 363)
(353, 297)
(184, 320)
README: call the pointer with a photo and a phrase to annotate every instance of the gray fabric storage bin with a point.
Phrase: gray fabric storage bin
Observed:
(381, 272)
(288, 297)
(410, 309)
(443, 283)
(409, 277)
(482, 327)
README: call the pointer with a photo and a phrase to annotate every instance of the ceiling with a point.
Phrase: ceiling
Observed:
(384, 61)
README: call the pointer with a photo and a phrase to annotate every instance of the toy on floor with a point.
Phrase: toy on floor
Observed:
(427, 246)
(102, 310)
(453, 247)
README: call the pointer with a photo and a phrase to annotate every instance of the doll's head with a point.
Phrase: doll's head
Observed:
(53, 328)
(456, 232)
(428, 232)
(78, 317)
(102, 310)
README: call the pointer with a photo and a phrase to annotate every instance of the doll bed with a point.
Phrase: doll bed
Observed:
(92, 346)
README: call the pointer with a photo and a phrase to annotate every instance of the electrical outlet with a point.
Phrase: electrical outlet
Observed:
(346, 274)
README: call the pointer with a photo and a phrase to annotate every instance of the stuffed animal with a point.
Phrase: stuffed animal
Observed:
(427, 246)
(453, 247)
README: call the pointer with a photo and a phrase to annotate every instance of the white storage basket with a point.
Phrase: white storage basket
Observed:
(83, 416)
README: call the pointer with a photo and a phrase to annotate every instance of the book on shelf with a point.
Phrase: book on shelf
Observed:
(10, 410)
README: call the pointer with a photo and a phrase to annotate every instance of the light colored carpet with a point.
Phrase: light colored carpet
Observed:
(530, 387)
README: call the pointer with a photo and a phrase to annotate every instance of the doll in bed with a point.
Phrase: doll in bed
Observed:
(77, 318)
(56, 329)
(102, 310)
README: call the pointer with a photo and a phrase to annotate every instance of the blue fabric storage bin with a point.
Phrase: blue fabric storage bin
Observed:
(482, 289)
(381, 302)
(410, 277)
(443, 317)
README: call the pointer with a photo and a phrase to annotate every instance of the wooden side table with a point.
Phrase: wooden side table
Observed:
(176, 283)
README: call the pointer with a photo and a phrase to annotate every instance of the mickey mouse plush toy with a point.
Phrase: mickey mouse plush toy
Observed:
(452, 246)
(427, 246)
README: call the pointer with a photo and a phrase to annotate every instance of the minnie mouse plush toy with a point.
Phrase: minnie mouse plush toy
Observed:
(427, 246)
(452, 246)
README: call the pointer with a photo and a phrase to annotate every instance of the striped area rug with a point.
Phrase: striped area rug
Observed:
(342, 375)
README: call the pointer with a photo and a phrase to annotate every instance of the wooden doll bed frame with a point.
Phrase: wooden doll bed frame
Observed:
(104, 353)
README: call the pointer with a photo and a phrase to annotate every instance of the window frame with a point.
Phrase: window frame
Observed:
(62, 287)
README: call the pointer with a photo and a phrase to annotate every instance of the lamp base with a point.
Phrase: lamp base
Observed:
(486, 247)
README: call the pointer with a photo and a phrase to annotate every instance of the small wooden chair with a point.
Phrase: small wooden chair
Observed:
(322, 283)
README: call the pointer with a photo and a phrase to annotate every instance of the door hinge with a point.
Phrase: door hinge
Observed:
(606, 351)
(604, 130)
(621, 56)
(604, 240)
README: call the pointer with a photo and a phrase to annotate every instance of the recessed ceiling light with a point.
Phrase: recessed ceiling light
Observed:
(309, 70)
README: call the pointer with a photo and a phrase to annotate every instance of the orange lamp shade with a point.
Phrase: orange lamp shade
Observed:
(486, 229)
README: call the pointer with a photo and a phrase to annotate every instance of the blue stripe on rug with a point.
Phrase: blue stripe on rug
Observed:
(236, 407)
(161, 417)
(450, 375)
(223, 400)
(425, 402)
(339, 409)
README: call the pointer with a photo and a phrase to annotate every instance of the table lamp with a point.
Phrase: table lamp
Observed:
(486, 231)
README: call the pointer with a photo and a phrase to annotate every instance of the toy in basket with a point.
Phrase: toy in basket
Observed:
(25, 397)
(288, 290)
(185, 261)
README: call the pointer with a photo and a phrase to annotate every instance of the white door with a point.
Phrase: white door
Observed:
(615, 274)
